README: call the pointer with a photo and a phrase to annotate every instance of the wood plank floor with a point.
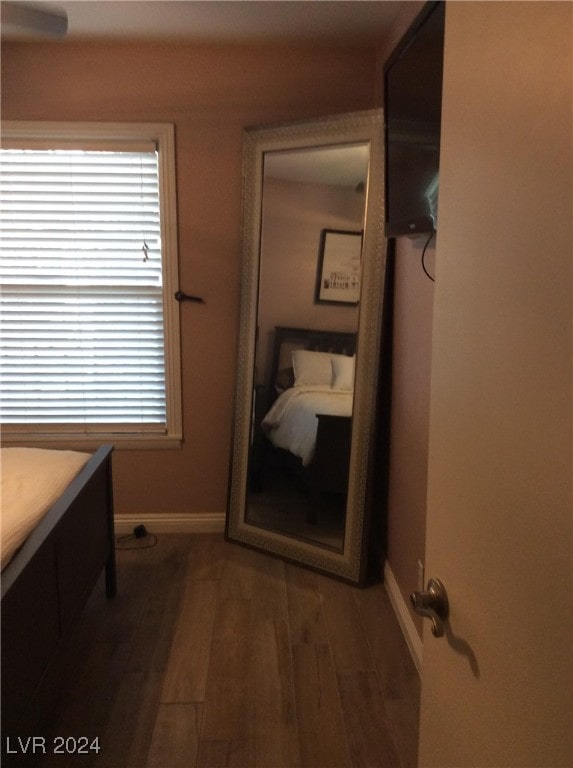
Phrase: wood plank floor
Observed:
(215, 655)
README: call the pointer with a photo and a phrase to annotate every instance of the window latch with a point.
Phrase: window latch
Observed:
(180, 296)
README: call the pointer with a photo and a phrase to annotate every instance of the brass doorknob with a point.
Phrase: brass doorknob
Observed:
(432, 603)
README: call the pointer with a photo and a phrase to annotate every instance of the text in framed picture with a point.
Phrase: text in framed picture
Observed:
(339, 267)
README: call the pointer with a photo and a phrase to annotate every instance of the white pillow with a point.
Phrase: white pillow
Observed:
(312, 368)
(342, 372)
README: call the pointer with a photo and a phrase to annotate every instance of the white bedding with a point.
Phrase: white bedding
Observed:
(291, 422)
(32, 479)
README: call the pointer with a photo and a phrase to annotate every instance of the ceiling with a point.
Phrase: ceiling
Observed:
(354, 22)
(345, 166)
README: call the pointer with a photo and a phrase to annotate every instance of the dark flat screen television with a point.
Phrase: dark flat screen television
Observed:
(412, 110)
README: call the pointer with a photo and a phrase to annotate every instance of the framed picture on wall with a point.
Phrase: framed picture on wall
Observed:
(339, 267)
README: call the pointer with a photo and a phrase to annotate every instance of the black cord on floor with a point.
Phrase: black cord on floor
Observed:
(139, 535)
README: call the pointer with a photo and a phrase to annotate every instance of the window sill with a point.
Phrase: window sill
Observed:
(92, 442)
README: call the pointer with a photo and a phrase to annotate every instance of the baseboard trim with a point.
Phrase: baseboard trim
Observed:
(402, 612)
(202, 522)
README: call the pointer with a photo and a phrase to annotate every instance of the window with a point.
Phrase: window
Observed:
(89, 344)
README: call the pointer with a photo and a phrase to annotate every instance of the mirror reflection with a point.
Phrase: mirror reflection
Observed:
(312, 289)
(310, 278)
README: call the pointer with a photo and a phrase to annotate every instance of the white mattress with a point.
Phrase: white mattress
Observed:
(32, 479)
(291, 422)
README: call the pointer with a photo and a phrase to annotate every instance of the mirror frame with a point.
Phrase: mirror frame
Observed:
(355, 127)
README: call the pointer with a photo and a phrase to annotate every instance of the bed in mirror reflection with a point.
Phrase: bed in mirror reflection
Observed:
(302, 428)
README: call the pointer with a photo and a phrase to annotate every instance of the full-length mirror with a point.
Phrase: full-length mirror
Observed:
(311, 307)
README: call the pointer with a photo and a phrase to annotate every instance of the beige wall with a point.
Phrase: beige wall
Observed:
(210, 94)
(412, 345)
(289, 258)
(413, 295)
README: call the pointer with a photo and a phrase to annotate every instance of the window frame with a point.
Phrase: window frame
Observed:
(163, 135)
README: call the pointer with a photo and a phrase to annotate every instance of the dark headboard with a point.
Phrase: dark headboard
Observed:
(286, 340)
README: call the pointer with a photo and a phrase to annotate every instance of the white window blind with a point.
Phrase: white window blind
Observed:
(82, 331)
